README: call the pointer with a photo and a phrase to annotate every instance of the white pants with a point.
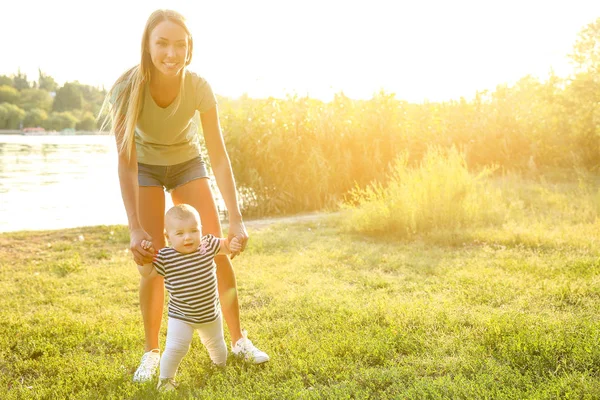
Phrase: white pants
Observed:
(179, 337)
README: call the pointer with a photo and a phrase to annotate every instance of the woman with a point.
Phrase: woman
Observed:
(153, 105)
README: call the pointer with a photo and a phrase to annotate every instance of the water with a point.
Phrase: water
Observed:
(55, 182)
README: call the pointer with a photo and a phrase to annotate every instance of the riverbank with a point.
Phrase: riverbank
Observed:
(43, 132)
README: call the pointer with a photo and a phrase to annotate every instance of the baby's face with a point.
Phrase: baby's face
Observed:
(184, 234)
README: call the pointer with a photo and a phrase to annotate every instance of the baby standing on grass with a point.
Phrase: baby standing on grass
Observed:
(189, 271)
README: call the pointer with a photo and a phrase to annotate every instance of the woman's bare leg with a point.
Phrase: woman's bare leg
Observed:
(152, 290)
(197, 193)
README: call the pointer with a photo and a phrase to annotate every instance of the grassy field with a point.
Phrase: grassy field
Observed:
(507, 312)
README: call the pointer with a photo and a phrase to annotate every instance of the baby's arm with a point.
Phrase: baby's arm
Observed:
(227, 247)
(147, 270)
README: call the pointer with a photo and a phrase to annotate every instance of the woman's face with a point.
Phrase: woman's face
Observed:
(168, 46)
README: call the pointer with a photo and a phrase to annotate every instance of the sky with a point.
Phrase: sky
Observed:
(419, 50)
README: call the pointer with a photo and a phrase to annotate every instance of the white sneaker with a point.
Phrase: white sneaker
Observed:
(148, 366)
(166, 385)
(244, 348)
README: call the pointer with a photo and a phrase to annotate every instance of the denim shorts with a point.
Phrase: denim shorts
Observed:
(171, 176)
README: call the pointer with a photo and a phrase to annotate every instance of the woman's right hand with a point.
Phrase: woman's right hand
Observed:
(141, 255)
(237, 230)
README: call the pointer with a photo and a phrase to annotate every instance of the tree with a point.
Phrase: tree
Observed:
(10, 116)
(35, 98)
(34, 118)
(20, 81)
(6, 80)
(58, 121)
(92, 98)
(46, 82)
(68, 97)
(87, 123)
(8, 94)
(586, 52)
(583, 94)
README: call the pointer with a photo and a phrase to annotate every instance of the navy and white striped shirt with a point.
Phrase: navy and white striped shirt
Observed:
(191, 280)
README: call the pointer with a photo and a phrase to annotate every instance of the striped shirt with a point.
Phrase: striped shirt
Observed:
(191, 281)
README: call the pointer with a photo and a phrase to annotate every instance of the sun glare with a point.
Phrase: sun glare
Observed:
(428, 50)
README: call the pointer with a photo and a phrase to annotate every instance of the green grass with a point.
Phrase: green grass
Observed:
(507, 311)
(440, 192)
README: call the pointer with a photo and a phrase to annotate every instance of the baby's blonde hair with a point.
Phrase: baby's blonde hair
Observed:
(127, 106)
(181, 212)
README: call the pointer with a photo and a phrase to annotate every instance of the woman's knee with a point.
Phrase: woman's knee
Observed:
(211, 224)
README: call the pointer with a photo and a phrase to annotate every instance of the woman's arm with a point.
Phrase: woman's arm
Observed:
(221, 165)
(128, 180)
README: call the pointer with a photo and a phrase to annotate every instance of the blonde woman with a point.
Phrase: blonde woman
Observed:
(152, 110)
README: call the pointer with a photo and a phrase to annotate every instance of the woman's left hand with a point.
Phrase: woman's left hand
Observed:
(237, 229)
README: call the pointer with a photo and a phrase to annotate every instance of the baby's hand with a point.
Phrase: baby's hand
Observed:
(146, 270)
(147, 245)
(235, 245)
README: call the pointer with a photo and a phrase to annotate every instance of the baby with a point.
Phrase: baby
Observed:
(190, 278)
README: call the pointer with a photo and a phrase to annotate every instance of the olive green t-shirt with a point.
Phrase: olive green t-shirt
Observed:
(165, 136)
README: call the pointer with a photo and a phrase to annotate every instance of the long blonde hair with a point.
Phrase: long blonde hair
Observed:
(126, 108)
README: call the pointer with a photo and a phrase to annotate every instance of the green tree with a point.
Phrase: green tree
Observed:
(57, 121)
(6, 80)
(583, 95)
(35, 98)
(46, 82)
(92, 98)
(586, 51)
(20, 81)
(68, 97)
(87, 123)
(34, 118)
(8, 94)
(11, 116)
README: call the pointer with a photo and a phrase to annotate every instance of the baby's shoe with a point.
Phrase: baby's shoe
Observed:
(166, 384)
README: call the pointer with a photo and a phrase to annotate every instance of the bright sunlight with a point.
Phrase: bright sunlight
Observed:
(435, 50)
